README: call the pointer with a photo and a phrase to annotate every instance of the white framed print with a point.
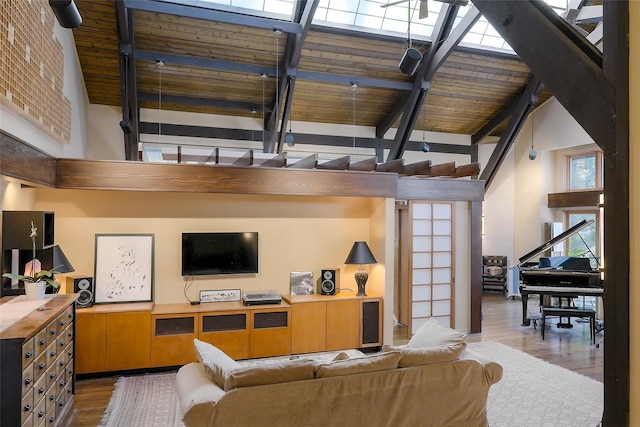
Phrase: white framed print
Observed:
(124, 268)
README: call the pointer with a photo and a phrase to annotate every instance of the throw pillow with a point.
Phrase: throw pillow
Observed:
(427, 355)
(273, 373)
(433, 333)
(341, 356)
(359, 365)
(216, 362)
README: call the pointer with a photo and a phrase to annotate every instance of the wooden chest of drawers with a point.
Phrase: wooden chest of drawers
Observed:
(37, 376)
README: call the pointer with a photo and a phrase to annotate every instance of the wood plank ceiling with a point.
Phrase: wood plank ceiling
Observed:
(212, 66)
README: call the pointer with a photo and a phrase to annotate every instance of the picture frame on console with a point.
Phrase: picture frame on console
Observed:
(124, 268)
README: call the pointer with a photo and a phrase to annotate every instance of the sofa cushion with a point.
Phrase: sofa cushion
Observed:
(273, 373)
(433, 334)
(216, 362)
(426, 355)
(359, 365)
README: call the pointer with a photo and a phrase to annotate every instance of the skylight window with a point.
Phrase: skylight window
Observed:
(368, 14)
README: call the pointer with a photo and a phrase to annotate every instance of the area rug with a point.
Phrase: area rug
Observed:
(532, 393)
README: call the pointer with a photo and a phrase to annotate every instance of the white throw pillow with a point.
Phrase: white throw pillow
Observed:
(216, 362)
(433, 334)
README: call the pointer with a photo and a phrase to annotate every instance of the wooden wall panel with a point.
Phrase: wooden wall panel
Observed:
(23, 162)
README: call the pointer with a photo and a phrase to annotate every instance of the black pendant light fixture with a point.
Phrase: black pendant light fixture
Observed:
(412, 56)
(66, 13)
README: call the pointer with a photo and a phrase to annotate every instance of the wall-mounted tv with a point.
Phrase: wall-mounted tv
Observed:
(219, 253)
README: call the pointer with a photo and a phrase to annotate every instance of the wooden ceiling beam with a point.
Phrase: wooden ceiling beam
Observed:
(208, 102)
(419, 168)
(366, 165)
(391, 166)
(213, 64)
(245, 160)
(472, 170)
(278, 161)
(339, 164)
(443, 169)
(561, 58)
(309, 162)
(210, 13)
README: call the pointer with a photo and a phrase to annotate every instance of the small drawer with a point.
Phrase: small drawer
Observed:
(61, 362)
(51, 375)
(50, 397)
(68, 351)
(28, 422)
(51, 414)
(28, 352)
(40, 341)
(60, 402)
(60, 382)
(68, 370)
(68, 314)
(39, 412)
(27, 379)
(27, 406)
(40, 388)
(52, 332)
(40, 365)
(68, 333)
(52, 353)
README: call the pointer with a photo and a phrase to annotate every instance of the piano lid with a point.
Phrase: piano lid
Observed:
(559, 238)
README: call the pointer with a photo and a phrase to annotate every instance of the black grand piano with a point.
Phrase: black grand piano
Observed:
(563, 277)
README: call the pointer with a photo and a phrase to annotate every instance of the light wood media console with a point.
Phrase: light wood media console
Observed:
(117, 337)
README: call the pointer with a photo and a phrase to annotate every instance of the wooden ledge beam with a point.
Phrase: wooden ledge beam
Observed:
(340, 164)
(367, 165)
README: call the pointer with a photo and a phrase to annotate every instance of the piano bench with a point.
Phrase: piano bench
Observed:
(571, 312)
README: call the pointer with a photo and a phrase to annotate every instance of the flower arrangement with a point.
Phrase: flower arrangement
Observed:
(33, 273)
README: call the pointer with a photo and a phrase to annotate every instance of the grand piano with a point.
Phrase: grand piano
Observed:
(563, 277)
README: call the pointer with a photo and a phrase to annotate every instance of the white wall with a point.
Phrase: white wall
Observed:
(515, 204)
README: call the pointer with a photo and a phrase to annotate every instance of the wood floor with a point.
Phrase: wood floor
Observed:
(569, 348)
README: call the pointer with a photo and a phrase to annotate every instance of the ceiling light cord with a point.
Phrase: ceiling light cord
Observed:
(532, 153)
(159, 65)
(354, 88)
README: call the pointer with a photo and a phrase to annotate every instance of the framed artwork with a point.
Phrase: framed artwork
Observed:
(124, 268)
(301, 282)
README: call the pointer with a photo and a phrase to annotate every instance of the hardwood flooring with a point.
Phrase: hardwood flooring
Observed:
(569, 348)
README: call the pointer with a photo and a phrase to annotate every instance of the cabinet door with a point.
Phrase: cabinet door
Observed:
(227, 330)
(371, 323)
(128, 340)
(308, 327)
(343, 324)
(172, 339)
(270, 333)
(90, 342)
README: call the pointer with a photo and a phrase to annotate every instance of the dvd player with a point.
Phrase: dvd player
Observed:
(261, 297)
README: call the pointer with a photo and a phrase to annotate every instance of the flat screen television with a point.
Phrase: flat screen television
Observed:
(206, 254)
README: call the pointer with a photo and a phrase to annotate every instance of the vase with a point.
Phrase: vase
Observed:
(35, 290)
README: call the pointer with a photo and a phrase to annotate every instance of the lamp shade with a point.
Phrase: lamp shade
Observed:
(360, 254)
(54, 257)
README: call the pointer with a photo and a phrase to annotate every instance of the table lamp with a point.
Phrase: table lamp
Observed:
(361, 254)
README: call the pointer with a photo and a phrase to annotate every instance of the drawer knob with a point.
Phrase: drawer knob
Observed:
(62, 322)
(61, 384)
(52, 420)
(27, 355)
(69, 390)
(41, 390)
(52, 332)
(41, 413)
(52, 397)
(61, 363)
(27, 380)
(62, 343)
(52, 375)
(52, 353)
(42, 341)
(61, 403)
(41, 365)
(27, 407)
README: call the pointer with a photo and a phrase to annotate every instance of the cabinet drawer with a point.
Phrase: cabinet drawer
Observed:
(51, 375)
(52, 332)
(50, 398)
(51, 413)
(27, 406)
(27, 379)
(40, 411)
(40, 388)
(40, 342)
(52, 352)
(28, 352)
(40, 365)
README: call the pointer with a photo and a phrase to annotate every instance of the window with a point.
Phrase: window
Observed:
(585, 171)
(585, 243)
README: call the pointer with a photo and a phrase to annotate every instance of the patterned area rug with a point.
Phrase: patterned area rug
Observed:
(532, 393)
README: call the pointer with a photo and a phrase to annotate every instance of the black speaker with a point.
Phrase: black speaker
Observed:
(329, 281)
(85, 288)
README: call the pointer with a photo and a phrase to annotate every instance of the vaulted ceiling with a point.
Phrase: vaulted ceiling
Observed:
(201, 57)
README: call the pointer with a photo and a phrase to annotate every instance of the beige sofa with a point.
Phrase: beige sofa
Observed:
(441, 389)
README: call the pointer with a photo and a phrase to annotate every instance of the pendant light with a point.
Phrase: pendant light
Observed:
(532, 153)
(354, 88)
(412, 57)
